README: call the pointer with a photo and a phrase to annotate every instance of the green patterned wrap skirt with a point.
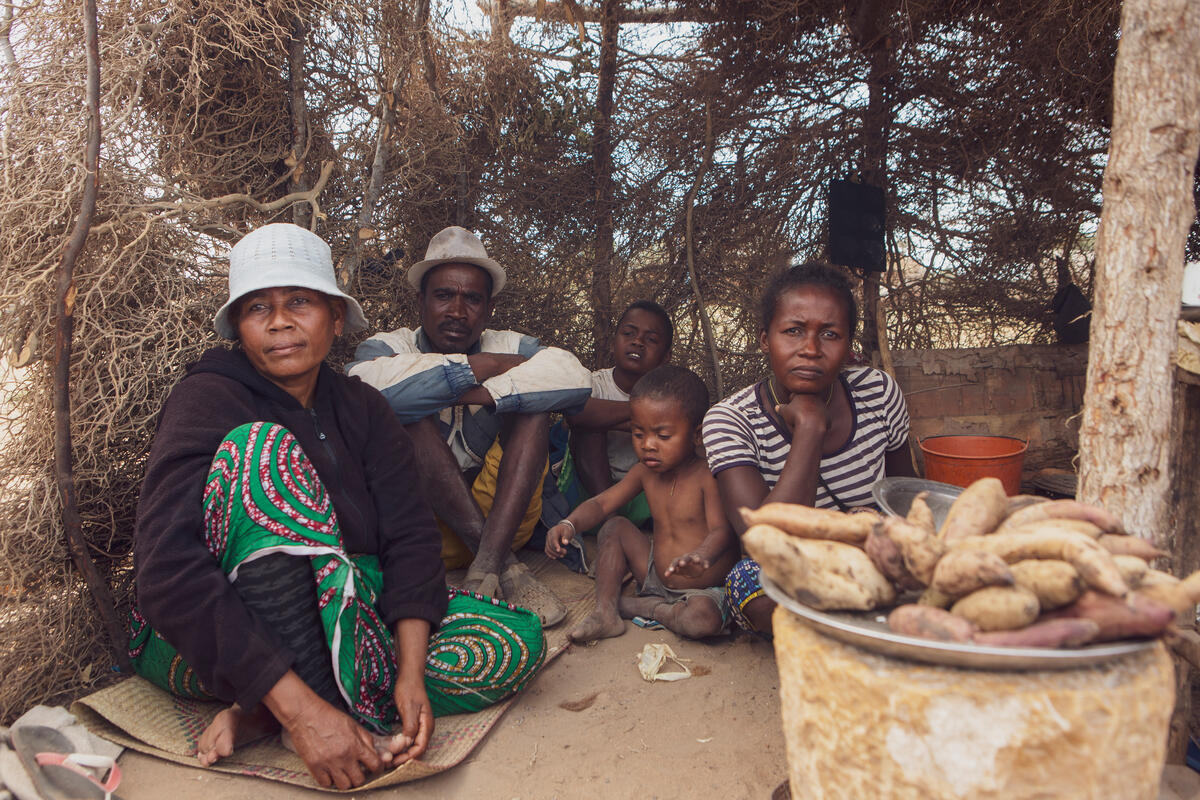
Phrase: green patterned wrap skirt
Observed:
(263, 496)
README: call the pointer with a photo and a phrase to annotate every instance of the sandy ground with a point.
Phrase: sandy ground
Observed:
(589, 726)
(716, 734)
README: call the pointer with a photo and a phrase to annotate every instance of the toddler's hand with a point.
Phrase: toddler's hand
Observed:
(557, 539)
(689, 565)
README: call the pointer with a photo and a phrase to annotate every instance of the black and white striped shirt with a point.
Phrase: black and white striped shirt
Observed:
(738, 432)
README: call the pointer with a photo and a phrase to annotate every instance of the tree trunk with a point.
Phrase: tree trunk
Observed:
(872, 40)
(301, 213)
(601, 289)
(689, 204)
(1125, 433)
(1123, 437)
(422, 26)
(501, 19)
(64, 469)
(366, 215)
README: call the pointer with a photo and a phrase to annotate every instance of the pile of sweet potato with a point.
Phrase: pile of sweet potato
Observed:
(1021, 571)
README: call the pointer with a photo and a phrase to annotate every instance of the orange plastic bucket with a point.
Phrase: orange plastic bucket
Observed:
(962, 460)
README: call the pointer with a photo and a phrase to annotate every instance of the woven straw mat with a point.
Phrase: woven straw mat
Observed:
(139, 715)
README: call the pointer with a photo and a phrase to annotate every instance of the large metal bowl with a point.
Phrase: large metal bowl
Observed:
(869, 630)
(895, 496)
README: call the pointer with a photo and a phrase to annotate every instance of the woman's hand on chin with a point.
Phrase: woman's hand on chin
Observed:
(805, 414)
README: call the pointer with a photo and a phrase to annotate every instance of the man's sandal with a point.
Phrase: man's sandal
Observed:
(60, 774)
(521, 588)
(484, 583)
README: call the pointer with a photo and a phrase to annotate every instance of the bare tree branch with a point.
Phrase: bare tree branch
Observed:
(66, 291)
(563, 12)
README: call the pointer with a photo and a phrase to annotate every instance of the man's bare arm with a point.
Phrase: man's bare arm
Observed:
(486, 365)
(600, 414)
(489, 365)
(590, 450)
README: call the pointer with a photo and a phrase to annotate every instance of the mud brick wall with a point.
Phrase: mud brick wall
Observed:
(1033, 392)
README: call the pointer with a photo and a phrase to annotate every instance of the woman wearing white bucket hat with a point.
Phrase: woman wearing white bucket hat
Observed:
(282, 544)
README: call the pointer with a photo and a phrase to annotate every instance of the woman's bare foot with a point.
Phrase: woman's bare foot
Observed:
(388, 747)
(232, 728)
(597, 626)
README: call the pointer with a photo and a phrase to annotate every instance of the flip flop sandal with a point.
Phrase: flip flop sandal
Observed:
(576, 558)
(60, 774)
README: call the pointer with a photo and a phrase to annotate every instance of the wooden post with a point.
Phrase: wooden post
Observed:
(63, 464)
(689, 205)
(603, 249)
(301, 213)
(1125, 433)
(868, 28)
(1184, 546)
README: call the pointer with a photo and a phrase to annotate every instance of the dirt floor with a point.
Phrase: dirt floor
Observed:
(589, 726)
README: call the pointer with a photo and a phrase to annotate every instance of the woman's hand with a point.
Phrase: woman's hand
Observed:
(416, 716)
(805, 414)
(557, 539)
(336, 749)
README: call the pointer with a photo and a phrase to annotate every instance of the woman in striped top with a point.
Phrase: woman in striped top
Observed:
(813, 432)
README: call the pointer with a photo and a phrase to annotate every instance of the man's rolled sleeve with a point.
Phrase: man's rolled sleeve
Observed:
(415, 384)
(550, 380)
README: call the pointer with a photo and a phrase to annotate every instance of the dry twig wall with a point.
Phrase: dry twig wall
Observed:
(378, 124)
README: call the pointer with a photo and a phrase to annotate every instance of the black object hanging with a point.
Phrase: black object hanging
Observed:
(856, 223)
(1072, 315)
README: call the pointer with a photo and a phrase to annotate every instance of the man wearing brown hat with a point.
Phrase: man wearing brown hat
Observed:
(477, 404)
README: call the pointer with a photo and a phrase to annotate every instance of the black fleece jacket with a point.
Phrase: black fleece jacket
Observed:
(363, 456)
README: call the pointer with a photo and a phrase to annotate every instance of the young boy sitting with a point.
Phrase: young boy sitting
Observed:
(681, 573)
(600, 449)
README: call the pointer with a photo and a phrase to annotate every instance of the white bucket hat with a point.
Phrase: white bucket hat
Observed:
(282, 254)
(455, 245)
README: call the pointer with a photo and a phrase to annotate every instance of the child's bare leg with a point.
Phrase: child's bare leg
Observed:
(696, 617)
(631, 607)
(232, 728)
(622, 548)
